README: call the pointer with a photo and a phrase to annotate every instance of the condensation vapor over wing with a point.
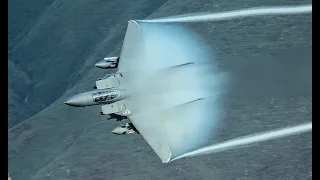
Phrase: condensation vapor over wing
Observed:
(183, 127)
(169, 59)
(150, 47)
(250, 85)
(175, 86)
(165, 56)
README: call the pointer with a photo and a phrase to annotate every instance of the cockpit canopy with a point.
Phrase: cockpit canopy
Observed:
(105, 95)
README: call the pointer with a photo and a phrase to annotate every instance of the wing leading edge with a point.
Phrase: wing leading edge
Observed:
(131, 48)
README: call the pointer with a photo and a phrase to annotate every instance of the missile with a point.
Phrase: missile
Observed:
(120, 130)
(127, 128)
(108, 63)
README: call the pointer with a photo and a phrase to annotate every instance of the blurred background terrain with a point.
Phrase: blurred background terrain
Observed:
(54, 44)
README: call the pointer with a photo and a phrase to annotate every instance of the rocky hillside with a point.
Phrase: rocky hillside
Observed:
(54, 45)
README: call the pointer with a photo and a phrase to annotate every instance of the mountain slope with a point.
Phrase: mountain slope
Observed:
(271, 57)
(62, 44)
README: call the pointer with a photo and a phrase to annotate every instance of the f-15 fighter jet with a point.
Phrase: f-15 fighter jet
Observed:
(159, 86)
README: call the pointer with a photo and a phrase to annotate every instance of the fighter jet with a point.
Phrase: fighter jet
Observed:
(163, 100)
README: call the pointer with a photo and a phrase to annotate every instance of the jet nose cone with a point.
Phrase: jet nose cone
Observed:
(71, 102)
(80, 100)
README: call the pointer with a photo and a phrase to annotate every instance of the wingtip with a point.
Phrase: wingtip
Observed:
(170, 159)
(134, 22)
(165, 161)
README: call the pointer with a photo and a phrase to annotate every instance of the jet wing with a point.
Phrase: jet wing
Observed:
(174, 130)
(131, 48)
(169, 93)
(151, 132)
(149, 47)
(173, 112)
